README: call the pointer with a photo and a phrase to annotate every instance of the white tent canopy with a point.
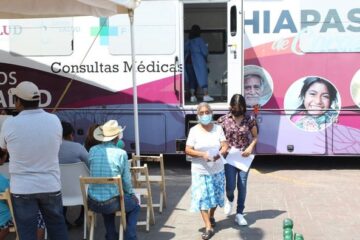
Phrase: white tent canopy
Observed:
(63, 8)
(12, 9)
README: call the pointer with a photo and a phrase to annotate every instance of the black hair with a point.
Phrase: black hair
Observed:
(8, 111)
(90, 140)
(2, 153)
(194, 32)
(237, 100)
(67, 129)
(28, 104)
(310, 81)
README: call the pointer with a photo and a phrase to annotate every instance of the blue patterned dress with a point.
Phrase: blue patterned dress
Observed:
(207, 191)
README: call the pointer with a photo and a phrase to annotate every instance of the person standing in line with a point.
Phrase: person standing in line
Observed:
(5, 216)
(196, 53)
(108, 160)
(205, 142)
(238, 126)
(32, 139)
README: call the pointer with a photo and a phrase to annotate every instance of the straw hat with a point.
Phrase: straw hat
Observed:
(108, 131)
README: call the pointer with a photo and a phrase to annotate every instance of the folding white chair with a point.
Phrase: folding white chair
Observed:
(4, 170)
(6, 197)
(70, 189)
(91, 215)
(160, 179)
(145, 192)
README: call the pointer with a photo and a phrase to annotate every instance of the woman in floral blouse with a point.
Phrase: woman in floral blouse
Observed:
(238, 126)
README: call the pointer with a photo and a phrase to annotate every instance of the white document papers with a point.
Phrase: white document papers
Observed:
(212, 153)
(237, 160)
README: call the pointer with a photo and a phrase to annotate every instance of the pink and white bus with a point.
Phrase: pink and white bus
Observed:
(298, 61)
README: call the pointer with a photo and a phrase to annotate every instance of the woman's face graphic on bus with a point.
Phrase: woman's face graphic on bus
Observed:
(317, 99)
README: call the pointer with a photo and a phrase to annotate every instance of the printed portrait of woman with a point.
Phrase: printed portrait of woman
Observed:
(355, 88)
(313, 102)
(258, 85)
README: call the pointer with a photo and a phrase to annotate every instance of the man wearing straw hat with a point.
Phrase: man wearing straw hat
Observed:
(108, 160)
(33, 139)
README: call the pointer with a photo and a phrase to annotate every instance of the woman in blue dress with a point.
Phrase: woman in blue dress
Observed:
(205, 142)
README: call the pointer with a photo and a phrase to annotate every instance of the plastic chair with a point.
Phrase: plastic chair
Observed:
(4, 170)
(91, 215)
(160, 179)
(6, 197)
(145, 192)
(71, 191)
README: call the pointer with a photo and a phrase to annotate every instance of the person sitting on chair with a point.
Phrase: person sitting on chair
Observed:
(5, 215)
(108, 160)
(72, 152)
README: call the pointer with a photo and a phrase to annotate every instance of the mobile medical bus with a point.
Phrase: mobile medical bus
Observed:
(303, 54)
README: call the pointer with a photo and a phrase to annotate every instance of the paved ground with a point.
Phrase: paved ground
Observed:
(321, 196)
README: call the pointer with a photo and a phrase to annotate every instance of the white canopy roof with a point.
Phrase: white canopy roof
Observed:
(63, 8)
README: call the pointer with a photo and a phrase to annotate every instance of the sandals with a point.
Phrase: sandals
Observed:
(207, 234)
(210, 232)
(212, 222)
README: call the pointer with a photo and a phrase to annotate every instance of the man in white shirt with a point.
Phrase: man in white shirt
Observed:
(32, 139)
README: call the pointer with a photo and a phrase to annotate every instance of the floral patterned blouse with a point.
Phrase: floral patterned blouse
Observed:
(237, 135)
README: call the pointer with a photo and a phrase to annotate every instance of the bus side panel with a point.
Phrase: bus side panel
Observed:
(159, 125)
(287, 47)
(91, 80)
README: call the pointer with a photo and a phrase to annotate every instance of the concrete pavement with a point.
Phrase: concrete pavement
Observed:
(324, 203)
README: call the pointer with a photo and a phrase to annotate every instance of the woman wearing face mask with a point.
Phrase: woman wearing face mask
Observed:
(205, 142)
(238, 126)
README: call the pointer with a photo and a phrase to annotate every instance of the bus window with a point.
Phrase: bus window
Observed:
(43, 37)
(154, 30)
(233, 27)
(215, 38)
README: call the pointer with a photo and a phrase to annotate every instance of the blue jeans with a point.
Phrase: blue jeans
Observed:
(108, 209)
(236, 177)
(26, 208)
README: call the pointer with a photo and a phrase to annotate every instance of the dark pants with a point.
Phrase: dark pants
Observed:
(236, 177)
(26, 208)
(108, 209)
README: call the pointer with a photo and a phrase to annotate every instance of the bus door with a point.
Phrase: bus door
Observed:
(234, 47)
(210, 17)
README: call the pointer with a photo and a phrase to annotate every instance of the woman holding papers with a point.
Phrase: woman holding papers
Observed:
(205, 142)
(238, 126)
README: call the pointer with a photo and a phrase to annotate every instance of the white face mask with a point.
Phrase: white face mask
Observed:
(205, 119)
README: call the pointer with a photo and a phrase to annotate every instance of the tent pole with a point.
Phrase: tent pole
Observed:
(135, 99)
